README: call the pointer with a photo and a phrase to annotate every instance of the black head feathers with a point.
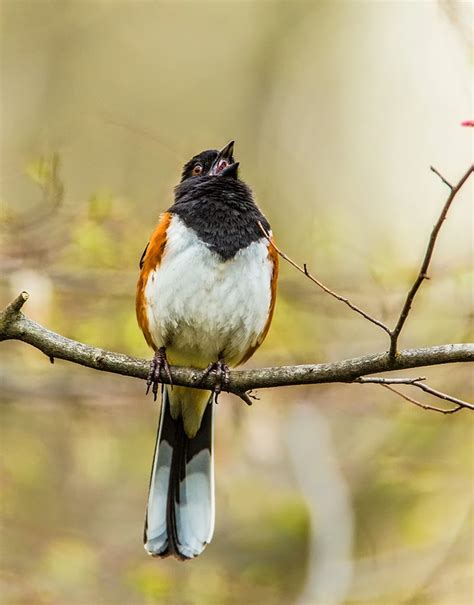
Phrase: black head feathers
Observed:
(212, 163)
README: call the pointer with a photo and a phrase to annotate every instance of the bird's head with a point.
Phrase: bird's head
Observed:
(212, 163)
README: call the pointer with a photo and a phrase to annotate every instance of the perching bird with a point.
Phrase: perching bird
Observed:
(205, 299)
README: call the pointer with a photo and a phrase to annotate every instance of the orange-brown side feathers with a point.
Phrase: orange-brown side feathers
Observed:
(273, 257)
(149, 262)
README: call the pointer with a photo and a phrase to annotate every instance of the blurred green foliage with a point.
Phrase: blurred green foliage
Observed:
(338, 109)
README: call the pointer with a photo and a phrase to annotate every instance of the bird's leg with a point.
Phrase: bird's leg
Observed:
(158, 363)
(222, 373)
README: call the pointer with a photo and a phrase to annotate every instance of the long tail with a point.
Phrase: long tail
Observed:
(180, 512)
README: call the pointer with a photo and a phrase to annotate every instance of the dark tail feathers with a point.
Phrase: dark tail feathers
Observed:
(180, 511)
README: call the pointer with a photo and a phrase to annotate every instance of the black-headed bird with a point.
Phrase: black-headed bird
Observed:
(205, 299)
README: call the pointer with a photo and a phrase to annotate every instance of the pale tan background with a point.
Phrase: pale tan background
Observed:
(331, 494)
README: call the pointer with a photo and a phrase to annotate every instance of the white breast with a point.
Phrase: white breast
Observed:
(201, 307)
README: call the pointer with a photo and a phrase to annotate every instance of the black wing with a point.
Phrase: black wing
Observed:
(143, 256)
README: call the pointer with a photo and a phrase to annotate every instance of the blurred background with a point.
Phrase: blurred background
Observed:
(325, 495)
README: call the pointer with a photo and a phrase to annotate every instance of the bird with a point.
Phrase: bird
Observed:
(205, 299)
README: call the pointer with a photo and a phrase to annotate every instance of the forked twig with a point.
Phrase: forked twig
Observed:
(395, 332)
(422, 274)
(425, 406)
(445, 396)
(416, 382)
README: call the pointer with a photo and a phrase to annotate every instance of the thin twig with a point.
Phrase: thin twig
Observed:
(425, 406)
(377, 380)
(415, 382)
(245, 397)
(445, 396)
(445, 181)
(422, 274)
(304, 271)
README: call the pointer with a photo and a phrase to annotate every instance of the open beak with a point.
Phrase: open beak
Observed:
(226, 152)
(224, 164)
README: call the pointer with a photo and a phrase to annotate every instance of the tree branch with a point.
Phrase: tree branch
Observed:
(445, 396)
(425, 406)
(376, 380)
(16, 326)
(422, 274)
(416, 382)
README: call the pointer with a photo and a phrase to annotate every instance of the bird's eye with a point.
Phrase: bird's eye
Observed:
(197, 170)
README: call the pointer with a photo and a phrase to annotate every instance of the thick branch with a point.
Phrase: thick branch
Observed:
(15, 326)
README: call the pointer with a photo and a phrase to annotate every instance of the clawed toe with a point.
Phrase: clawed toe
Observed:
(158, 363)
(222, 373)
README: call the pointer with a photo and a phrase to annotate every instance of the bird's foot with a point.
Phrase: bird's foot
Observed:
(222, 373)
(158, 363)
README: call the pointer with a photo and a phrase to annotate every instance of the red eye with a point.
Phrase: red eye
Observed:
(197, 170)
